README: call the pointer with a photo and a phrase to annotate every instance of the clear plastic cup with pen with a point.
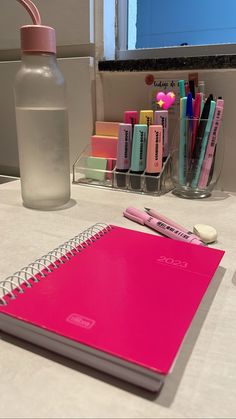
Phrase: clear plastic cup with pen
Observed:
(197, 152)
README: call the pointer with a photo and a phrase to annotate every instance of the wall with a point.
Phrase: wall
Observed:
(119, 91)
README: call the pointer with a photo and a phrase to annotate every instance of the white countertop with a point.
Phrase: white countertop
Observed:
(38, 384)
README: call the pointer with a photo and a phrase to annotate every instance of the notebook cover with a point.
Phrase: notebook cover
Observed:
(130, 294)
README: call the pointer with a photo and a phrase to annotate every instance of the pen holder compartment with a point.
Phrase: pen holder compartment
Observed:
(197, 152)
(101, 172)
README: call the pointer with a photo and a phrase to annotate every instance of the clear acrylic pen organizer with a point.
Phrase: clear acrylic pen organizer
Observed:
(106, 176)
(196, 159)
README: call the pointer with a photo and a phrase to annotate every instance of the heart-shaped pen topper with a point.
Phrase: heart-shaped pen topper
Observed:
(165, 100)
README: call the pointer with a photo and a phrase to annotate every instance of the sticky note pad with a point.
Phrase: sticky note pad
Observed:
(94, 164)
(107, 128)
(103, 146)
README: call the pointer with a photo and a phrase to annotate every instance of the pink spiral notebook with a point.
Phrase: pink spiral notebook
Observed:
(116, 299)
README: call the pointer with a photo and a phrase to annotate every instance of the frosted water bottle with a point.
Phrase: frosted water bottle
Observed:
(41, 118)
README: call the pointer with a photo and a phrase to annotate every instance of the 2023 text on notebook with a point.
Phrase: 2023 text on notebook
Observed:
(115, 299)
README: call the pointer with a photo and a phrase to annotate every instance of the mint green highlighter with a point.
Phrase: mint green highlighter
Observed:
(139, 154)
(195, 180)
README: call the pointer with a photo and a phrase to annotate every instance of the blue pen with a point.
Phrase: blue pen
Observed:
(204, 144)
(182, 141)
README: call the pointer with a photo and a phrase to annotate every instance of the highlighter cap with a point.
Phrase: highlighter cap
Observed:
(38, 38)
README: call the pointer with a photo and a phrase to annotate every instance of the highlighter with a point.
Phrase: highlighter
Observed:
(161, 118)
(154, 156)
(138, 157)
(123, 153)
(181, 88)
(146, 117)
(131, 117)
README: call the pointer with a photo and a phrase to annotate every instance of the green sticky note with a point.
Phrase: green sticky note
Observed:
(96, 164)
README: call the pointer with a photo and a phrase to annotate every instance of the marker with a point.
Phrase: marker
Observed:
(202, 103)
(182, 142)
(154, 156)
(161, 118)
(166, 220)
(199, 138)
(166, 229)
(181, 88)
(123, 153)
(189, 129)
(192, 88)
(201, 87)
(146, 117)
(196, 116)
(201, 141)
(187, 89)
(138, 157)
(211, 145)
(131, 117)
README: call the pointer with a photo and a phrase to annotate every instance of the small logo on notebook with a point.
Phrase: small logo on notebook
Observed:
(80, 321)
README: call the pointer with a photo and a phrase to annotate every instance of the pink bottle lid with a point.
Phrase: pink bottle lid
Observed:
(36, 37)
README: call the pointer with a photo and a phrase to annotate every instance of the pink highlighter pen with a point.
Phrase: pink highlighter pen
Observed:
(131, 117)
(160, 226)
(166, 220)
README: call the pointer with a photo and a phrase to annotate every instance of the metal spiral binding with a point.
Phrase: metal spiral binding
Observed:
(41, 267)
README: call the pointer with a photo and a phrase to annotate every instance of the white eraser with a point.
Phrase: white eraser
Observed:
(206, 233)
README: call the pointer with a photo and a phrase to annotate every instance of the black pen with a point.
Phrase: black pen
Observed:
(199, 138)
(192, 88)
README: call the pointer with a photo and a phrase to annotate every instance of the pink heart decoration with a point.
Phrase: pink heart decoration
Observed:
(165, 100)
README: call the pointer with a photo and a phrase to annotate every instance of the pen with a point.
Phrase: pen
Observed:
(189, 129)
(196, 116)
(212, 141)
(182, 142)
(199, 138)
(202, 150)
(192, 88)
(166, 229)
(187, 89)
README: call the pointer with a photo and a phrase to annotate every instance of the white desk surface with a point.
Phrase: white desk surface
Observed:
(38, 384)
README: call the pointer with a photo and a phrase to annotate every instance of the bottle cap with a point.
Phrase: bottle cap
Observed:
(36, 37)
